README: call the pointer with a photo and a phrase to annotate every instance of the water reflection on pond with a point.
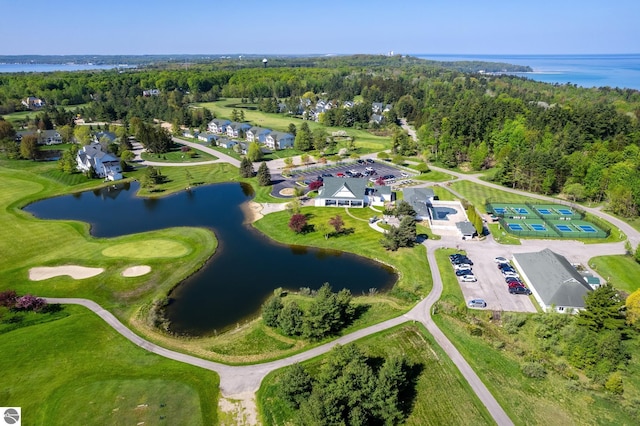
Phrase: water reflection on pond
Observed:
(247, 266)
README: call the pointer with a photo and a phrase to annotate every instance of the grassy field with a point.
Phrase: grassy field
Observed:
(497, 357)
(78, 370)
(175, 155)
(621, 271)
(433, 176)
(364, 140)
(442, 396)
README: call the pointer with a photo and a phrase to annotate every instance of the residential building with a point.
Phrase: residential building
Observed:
(207, 137)
(33, 103)
(150, 92)
(257, 134)
(279, 140)
(553, 281)
(420, 199)
(234, 129)
(218, 126)
(105, 165)
(109, 137)
(45, 137)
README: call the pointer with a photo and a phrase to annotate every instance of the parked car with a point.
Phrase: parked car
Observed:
(504, 265)
(500, 259)
(519, 290)
(360, 161)
(340, 174)
(369, 169)
(369, 160)
(477, 303)
(460, 260)
(511, 284)
(461, 266)
(510, 273)
(324, 175)
(404, 174)
(511, 279)
(461, 272)
(468, 279)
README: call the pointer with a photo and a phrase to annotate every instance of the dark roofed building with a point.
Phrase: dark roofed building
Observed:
(467, 230)
(420, 199)
(554, 282)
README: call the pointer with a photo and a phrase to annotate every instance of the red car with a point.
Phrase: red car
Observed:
(340, 174)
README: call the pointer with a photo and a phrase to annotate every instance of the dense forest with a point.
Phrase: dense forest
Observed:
(536, 136)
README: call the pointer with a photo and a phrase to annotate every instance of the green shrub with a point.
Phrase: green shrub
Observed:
(533, 370)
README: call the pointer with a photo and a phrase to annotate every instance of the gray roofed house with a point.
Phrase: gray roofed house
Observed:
(45, 137)
(110, 137)
(351, 192)
(466, 229)
(235, 129)
(218, 125)
(257, 134)
(377, 118)
(104, 164)
(420, 199)
(554, 282)
(279, 140)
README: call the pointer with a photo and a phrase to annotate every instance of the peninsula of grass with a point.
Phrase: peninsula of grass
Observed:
(78, 370)
(497, 356)
(620, 271)
(180, 178)
(57, 242)
(442, 396)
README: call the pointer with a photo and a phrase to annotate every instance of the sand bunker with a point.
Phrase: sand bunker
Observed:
(136, 271)
(74, 271)
(287, 192)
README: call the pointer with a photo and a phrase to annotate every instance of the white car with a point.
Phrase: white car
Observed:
(501, 260)
(468, 279)
(461, 266)
(369, 169)
(404, 174)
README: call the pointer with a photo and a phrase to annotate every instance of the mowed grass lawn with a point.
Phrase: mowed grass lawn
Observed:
(415, 278)
(175, 155)
(621, 271)
(280, 122)
(442, 396)
(77, 370)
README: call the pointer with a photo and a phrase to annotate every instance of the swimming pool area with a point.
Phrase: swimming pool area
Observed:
(442, 213)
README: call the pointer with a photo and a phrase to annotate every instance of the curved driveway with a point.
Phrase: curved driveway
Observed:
(238, 379)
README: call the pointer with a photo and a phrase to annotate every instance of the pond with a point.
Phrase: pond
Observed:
(230, 288)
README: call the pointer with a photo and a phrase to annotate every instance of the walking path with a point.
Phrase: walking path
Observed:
(238, 380)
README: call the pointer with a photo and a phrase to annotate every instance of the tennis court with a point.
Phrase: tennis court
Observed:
(544, 211)
(565, 212)
(565, 228)
(520, 210)
(515, 226)
(587, 228)
(538, 227)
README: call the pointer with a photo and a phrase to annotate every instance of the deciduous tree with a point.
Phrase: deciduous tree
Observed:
(29, 147)
(298, 223)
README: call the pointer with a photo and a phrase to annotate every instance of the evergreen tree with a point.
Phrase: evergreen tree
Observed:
(264, 176)
(246, 168)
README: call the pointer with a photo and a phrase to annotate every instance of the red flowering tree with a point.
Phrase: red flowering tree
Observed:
(380, 181)
(29, 302)
(337, 223)
(8, 298)
(298, 223)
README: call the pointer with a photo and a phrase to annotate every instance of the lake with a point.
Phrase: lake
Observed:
(247, 266)
(621, 70)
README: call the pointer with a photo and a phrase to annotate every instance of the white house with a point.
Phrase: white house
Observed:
(218, 126)
(105, 165)
(351, 192)
(234, 129)
(279, 140)
(45, 137)
(207, 137)
(257, 134)
(33, 103)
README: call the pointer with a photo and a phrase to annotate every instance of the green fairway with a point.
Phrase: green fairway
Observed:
(442, 396)
(177, 156)
(151, 248)
(78, 370)
(478, 195)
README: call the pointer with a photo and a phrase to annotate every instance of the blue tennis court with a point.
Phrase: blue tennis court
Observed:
(538, 227)
(520, 210)
(587, 228)
(544, 211)
(500, 210)
(515, 226)
(565, 228)
(565, 212)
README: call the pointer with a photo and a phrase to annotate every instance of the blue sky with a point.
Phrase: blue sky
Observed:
(319, 27)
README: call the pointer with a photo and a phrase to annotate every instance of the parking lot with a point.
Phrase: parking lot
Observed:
(364, 169)
(491, 286)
